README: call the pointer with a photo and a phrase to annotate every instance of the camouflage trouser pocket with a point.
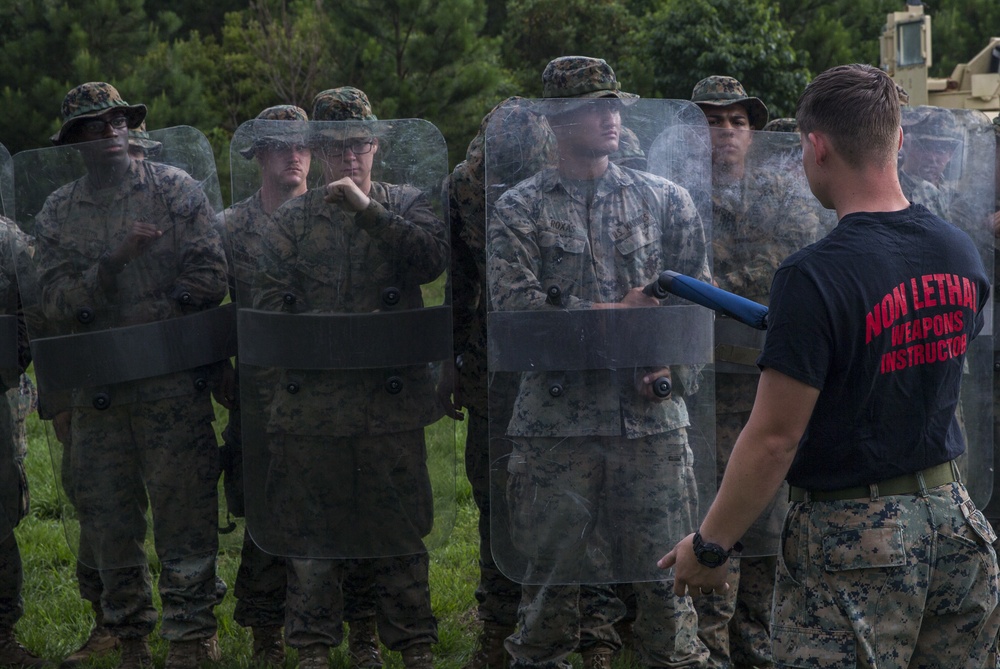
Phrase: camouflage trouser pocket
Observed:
(813, 648)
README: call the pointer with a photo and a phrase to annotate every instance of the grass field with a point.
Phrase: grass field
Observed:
(56, 620)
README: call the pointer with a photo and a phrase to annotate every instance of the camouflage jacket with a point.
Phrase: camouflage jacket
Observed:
(921, 191)
(182, 272)
(242, 227)
(595, 240)
(467, 213)
(756, 224)
(15, 251)
(337, 263)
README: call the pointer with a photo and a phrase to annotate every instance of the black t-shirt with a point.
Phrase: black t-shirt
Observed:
(877, 316)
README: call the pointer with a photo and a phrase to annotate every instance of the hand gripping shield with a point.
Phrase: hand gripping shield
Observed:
(122, 302)
(342, 339)
(605, 450)
(947, 165)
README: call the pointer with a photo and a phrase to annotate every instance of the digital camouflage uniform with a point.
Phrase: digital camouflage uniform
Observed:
(260, 582)
(543, 233)
(13, 449)
(156, 433)
(467, 192)
(757, 221)
(329, 468)
(937, 126)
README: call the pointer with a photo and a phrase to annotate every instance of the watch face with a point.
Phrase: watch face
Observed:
(710, 558)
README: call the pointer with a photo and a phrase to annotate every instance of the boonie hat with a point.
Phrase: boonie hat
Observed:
(931, 124)
(720, 91)
(140, 138)
(781, 125)
(90, 100)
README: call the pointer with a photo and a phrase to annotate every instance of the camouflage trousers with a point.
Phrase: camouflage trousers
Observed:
(11, 580)
(316, 594)
(897, 581)
(735, 624)
(600, 506)
(167, 448)
(496, 594)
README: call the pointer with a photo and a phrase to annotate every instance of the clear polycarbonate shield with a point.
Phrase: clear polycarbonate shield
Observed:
(762, 212)
(122, 302)
(12, 243)
(947, 164)
(342, 341)
(608, 454)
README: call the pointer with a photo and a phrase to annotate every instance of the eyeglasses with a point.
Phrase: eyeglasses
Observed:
(96, 126)
(357, 148)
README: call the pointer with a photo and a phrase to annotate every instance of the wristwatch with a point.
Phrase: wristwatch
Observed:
(712, 555)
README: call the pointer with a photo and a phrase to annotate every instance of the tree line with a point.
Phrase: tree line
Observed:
(214, 65)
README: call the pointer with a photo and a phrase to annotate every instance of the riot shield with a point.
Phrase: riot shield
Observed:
(759, 218)
(947, 164)
(611, 432)
(12, 244)
(122, 303)
(342, 342)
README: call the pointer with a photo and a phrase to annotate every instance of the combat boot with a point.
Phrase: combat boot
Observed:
(135, 654)
(490, 652)
(599, 658)
(13, 654)
(101, 642)
(316, 656)
(268, 646)
(362, 644)
(418, 657)
(193, 654)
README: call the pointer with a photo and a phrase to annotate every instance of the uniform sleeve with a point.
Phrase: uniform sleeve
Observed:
(685, 244)
(465, 277)
(203, 278)
(276, 276)
(407, 223)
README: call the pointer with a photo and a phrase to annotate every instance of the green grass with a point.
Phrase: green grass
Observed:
(57, 621)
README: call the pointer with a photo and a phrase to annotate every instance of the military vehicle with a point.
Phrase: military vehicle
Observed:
(906, 56)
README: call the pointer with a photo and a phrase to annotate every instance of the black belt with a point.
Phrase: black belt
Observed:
(907, 484)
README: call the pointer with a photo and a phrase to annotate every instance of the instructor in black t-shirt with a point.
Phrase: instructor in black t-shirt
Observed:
(885, 560)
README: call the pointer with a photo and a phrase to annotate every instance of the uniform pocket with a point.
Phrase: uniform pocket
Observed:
(813, 648)
(864, 548)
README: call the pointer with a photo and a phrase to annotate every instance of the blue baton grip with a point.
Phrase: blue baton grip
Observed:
(745, 311)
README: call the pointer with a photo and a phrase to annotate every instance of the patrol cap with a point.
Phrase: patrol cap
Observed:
(932, 125)
(90, 100)
(721, 91)
(344, 104)
(781, 125)
(139, 138)
(271, 133)
(579, 77)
